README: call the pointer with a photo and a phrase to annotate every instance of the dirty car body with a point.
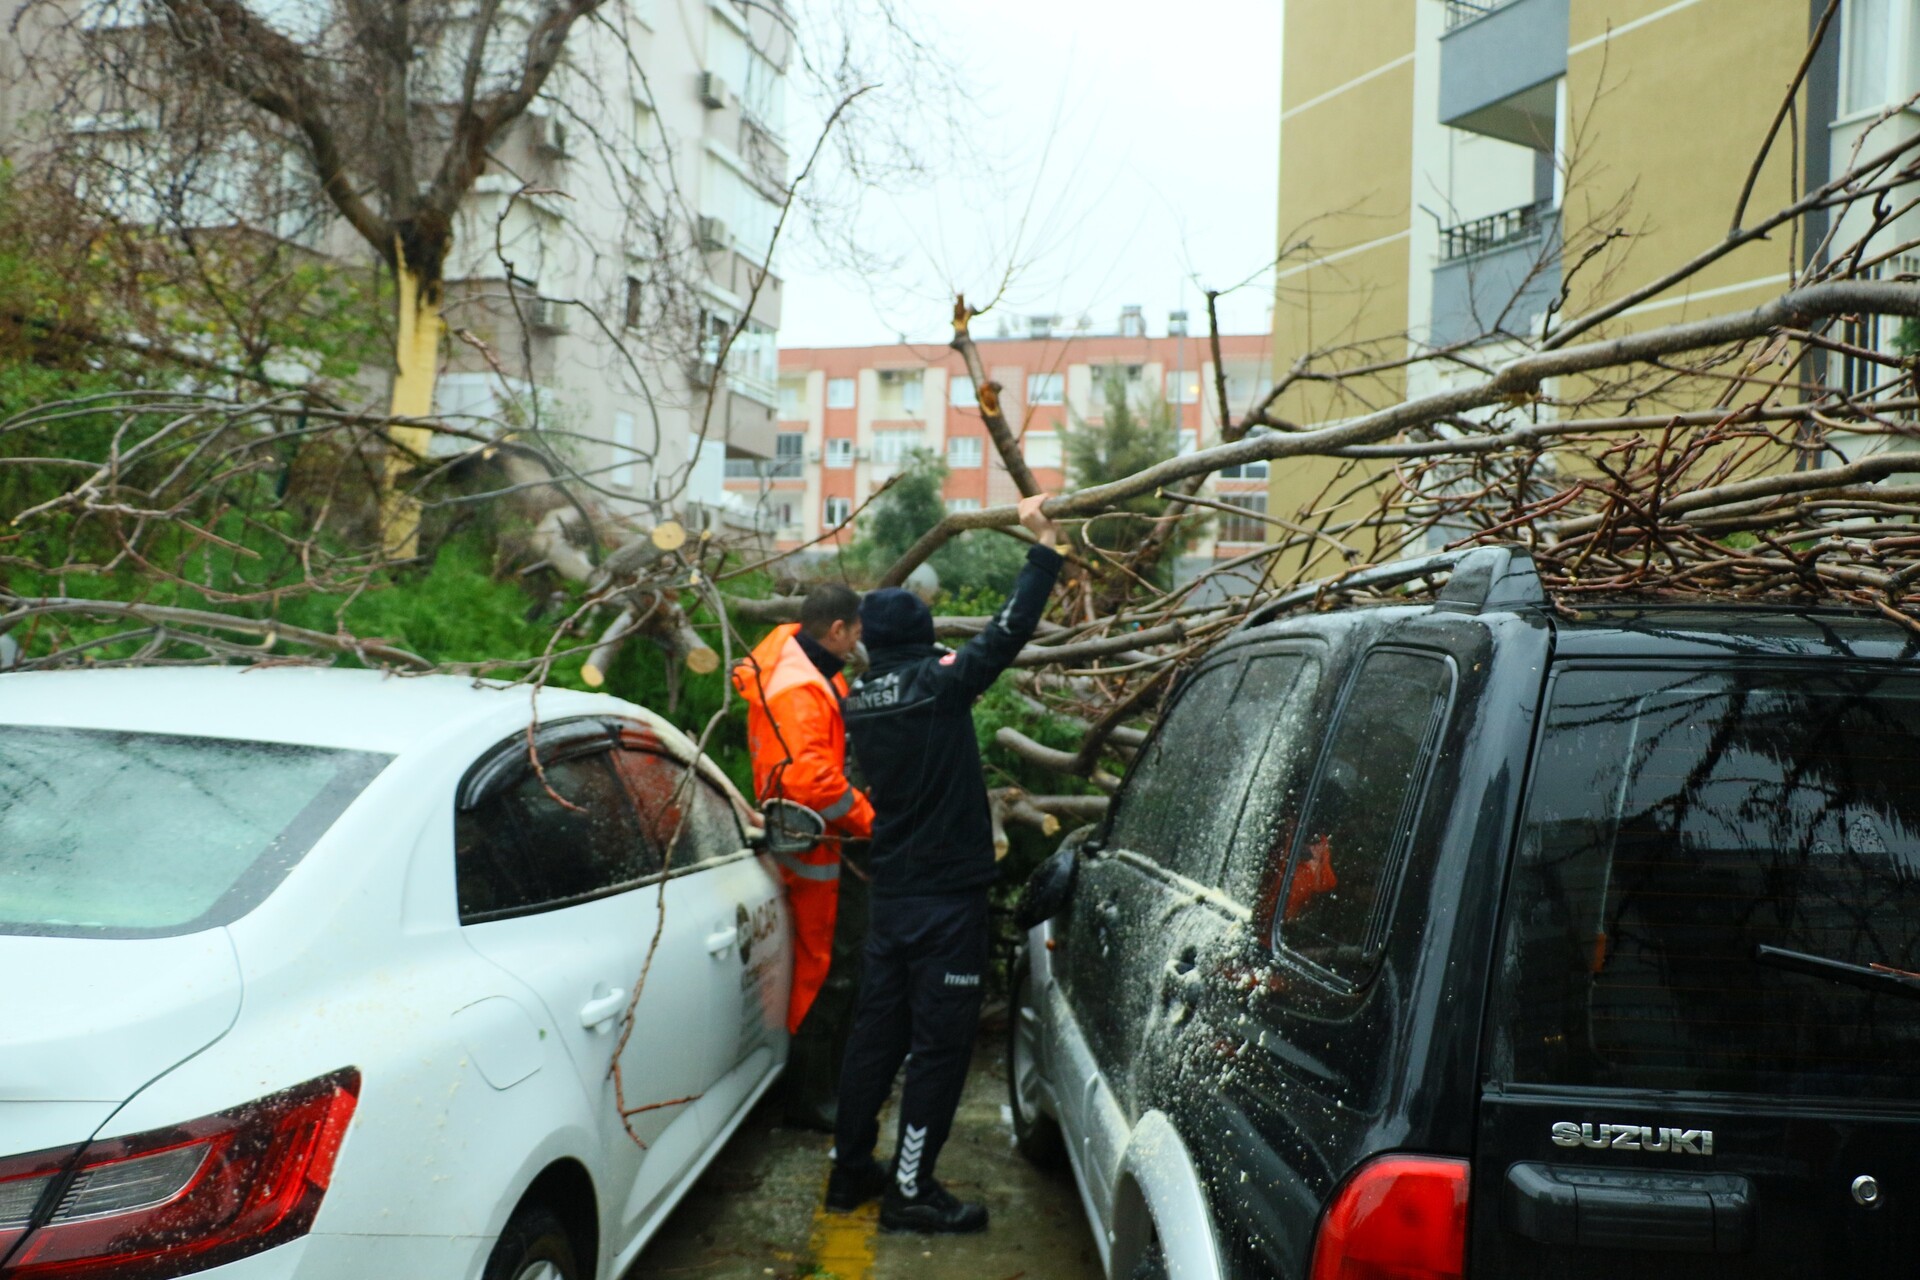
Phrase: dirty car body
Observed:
(312, 974)
(1470, 939)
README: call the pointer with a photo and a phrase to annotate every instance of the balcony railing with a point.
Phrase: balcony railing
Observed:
(1461, 12)
(1496, 229)
(756, 469)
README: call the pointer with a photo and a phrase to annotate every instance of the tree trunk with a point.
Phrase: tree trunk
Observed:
(416, 365)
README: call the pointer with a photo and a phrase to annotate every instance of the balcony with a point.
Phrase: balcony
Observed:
(1497, 274)
(1499, 61)
(1528, 222)
(787, 468)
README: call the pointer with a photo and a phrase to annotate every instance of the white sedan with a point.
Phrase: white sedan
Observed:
(312, 973)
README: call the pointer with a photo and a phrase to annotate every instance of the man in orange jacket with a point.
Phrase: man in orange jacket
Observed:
(792, 686)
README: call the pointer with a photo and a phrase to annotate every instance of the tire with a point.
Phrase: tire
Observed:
(1152, 1264)
(535, 1246)
(1036, 1135)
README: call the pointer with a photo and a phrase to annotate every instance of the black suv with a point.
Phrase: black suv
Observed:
(1476, 938)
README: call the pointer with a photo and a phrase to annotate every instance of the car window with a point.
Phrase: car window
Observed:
(1347, 853)
(111, 834)
(676, 804)
(1678, 821)
(549, 842)
(1257, 859)
(1184, 797)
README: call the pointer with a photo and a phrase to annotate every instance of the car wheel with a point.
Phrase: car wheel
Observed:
(1152, 1264)
(535, 1246)
(1035, 1133)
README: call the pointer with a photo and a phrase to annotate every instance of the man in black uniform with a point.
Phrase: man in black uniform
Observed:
(910, 722)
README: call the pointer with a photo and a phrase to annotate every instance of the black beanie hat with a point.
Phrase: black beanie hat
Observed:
(891, 616)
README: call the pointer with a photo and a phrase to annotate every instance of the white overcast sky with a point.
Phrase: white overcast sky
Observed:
(1137, 157)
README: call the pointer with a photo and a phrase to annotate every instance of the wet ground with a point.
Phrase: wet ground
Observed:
(757, 1211)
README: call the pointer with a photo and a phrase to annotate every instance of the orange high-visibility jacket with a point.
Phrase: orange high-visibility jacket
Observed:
(804, 761)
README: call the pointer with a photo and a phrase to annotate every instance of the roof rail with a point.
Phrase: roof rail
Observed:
(1479, 580)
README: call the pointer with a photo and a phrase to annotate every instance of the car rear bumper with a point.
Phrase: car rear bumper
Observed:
(322, 1256)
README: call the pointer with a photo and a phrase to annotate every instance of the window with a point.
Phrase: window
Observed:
(792, 399)
(634, 299)
(1189, 440)
(1246, 528)
(963, 452)
(1163, 813)
(523, 850)
(839, 393)
(112, 834)
(1245, 471)
(963, 504)
(839, 453)
(1257, 860)
(620, 474)
(892, 448)
(789, 449)
(839, 510)
(1353, 840)
(1044, 388)
(1183, 386)
(1126, 375)
(1677, 821)
(677, 805)
(1878, 59)
(902, 393)
(960, 392)
(1042, 449)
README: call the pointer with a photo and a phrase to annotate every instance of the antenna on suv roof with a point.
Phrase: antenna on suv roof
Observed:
(1478, 580)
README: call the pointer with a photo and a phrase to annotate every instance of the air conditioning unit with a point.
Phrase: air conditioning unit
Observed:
(544, 315)
(712, 233)
(813, 455)
(713, 90)
(550, 136)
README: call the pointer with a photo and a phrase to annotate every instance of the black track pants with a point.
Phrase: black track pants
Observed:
(919, 994)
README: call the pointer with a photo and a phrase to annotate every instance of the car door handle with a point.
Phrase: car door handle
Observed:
(718, 944)
(603, 1008)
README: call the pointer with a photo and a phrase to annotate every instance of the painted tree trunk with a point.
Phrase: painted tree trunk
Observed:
(416, 365)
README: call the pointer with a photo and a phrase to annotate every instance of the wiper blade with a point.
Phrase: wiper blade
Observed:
(1876, 977)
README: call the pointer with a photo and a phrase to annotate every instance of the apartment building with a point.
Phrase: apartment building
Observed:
(612, 242)
(850, 417)
(1446, 166)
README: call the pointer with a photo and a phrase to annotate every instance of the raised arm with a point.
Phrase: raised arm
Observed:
(980, 661)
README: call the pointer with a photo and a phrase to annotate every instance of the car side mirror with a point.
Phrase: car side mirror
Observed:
(789, 828)
(1049, 889)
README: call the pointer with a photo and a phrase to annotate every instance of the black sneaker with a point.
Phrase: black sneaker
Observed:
(848, 1189)
(934, 1212)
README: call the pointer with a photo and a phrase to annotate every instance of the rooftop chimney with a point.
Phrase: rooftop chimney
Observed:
(1176, 324)
(1133, 322)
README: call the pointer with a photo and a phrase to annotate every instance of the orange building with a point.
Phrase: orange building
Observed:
(850, 417)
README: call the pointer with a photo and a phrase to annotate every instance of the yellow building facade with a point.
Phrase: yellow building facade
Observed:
(1448, 168)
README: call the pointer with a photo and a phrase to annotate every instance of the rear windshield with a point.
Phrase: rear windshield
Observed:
(1679, 820)
(108, 834)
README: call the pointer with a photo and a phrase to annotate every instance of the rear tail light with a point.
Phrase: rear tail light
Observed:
(180, 1199)
(1396, 1218)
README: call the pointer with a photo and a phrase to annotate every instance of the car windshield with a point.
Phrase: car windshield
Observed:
(111, 834)
(1702, 854)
